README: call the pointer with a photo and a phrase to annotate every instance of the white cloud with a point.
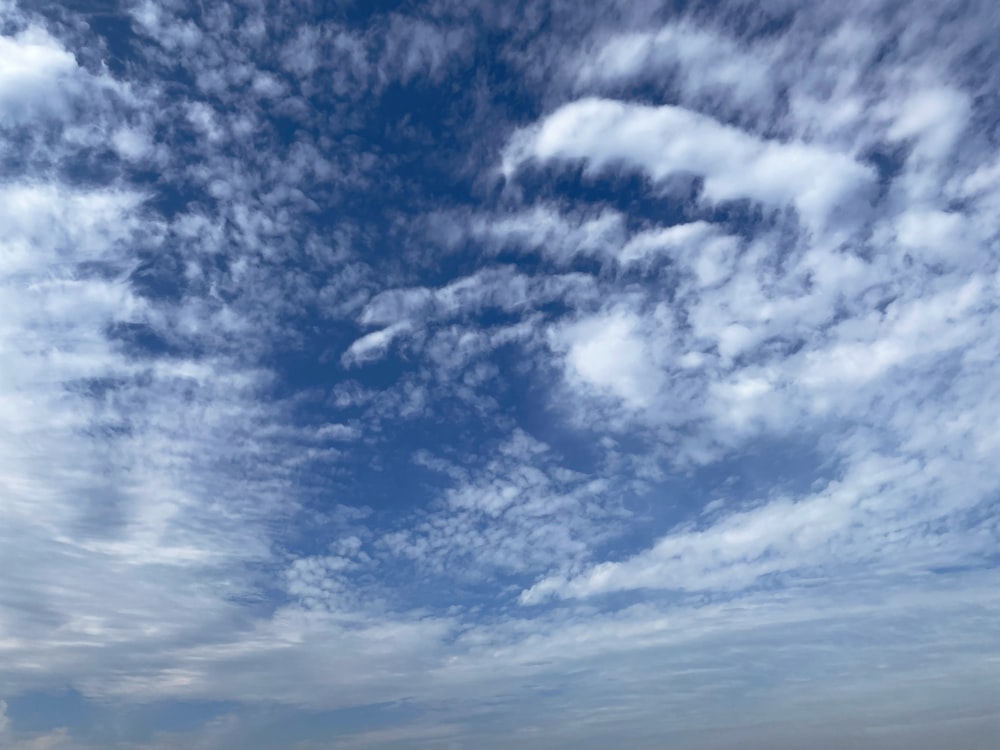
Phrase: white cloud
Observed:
(874, 514)
(37, 76)
(373, 345)
(127, 525)
(556, 235)
(934, 324)
(338, 432)
(132, 143)
(771, 335)
(667, 140)
(521, 512)
(414, 47)
(934, 117)
(711, 66)
(607, 353)
(174, 528)
(409, 310)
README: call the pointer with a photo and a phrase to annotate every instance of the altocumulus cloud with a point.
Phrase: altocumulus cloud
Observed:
(456, 375)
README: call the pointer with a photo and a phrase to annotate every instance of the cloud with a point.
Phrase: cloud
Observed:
(706, 384)
(411, 309)
(522, 511)
(560, 236)
(38, 76)
(120, 511)
(373, 345)
(710, 67)
(338, 432)
(414, 47)
(668, 140)
(604, 352)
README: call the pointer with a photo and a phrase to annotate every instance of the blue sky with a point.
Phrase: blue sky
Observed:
(456, 375)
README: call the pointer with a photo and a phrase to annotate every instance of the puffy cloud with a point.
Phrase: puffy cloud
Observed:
(38, 77)
(605, 352)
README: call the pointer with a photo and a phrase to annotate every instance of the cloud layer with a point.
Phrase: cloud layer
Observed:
(478, 378)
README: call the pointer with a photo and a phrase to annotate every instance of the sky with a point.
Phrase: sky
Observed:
(537, 374)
